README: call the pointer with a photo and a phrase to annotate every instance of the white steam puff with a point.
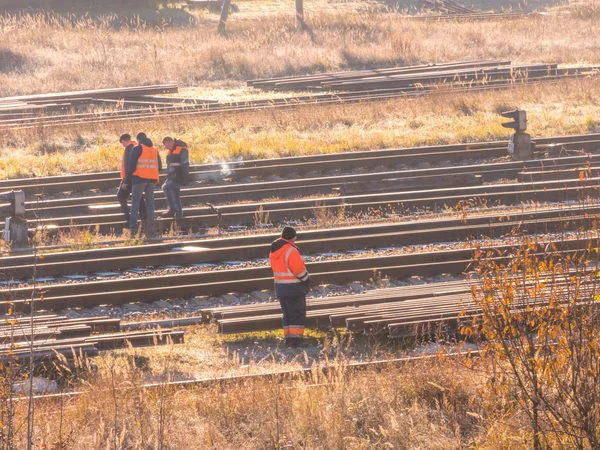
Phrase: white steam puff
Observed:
(227, 167)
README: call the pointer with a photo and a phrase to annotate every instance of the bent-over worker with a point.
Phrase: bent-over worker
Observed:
(292, 283)
(178, 171)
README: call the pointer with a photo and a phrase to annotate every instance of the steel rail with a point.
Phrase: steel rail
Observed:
(308, 374)
(393, 158)
(326, 158)
(380, 204)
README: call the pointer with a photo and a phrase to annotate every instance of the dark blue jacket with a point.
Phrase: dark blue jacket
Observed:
(178, 166)
(126, 157)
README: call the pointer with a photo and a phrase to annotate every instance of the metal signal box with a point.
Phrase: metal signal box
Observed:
(519, 118)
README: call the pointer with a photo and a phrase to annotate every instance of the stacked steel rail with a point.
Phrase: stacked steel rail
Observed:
(472, 16)
(445, 6)
(472, 72)
(403, 312)
(135, 98)
(50, 337)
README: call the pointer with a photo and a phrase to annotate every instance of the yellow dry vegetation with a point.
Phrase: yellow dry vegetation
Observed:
(415, 406)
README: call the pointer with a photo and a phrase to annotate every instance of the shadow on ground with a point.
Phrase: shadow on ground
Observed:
(111, 17)
(11, 62)
(269, 348)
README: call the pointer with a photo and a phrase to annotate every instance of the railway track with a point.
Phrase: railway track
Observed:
(537, 170)
(379, 94)
(368, 206)
(90, 211)
(217, 281)
(310, 375)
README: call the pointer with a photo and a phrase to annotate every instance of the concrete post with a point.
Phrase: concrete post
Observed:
(520, 146)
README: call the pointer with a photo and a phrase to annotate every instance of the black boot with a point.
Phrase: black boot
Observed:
(295, 342)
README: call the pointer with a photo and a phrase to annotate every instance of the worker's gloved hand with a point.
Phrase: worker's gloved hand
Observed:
(307, 283)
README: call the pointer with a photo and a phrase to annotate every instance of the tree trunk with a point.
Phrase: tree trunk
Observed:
(300, 12)
(224, 15)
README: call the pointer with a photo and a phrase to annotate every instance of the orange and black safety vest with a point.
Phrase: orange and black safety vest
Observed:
(125, 156)
(173, 158)
(147, 165)
(288, 265)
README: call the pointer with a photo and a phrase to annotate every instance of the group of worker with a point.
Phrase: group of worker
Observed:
(140, 174)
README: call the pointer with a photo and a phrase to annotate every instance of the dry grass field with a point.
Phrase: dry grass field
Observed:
(425, 405)
(440, 403)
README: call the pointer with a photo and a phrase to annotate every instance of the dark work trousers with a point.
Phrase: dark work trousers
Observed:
(123, 195)
(294, 315)
(141, 189)
(172, 190)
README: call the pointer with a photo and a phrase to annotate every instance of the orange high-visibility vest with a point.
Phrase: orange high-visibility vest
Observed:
(147, 165)
(133, 144)
(288, 265)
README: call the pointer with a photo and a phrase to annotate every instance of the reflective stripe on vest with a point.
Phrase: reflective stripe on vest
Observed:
(133, 144)
(286, 277)
(147, 165)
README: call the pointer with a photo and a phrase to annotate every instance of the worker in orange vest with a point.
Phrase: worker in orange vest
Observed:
(143, 169)
(178, 172)
(125, 187)
(292, 283)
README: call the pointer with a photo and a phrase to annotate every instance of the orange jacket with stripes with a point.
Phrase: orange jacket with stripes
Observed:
(288, 266)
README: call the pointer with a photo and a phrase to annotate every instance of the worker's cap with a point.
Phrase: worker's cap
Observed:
(288, 233)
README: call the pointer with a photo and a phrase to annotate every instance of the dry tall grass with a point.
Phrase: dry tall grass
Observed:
(61, 53)
(417, 406)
